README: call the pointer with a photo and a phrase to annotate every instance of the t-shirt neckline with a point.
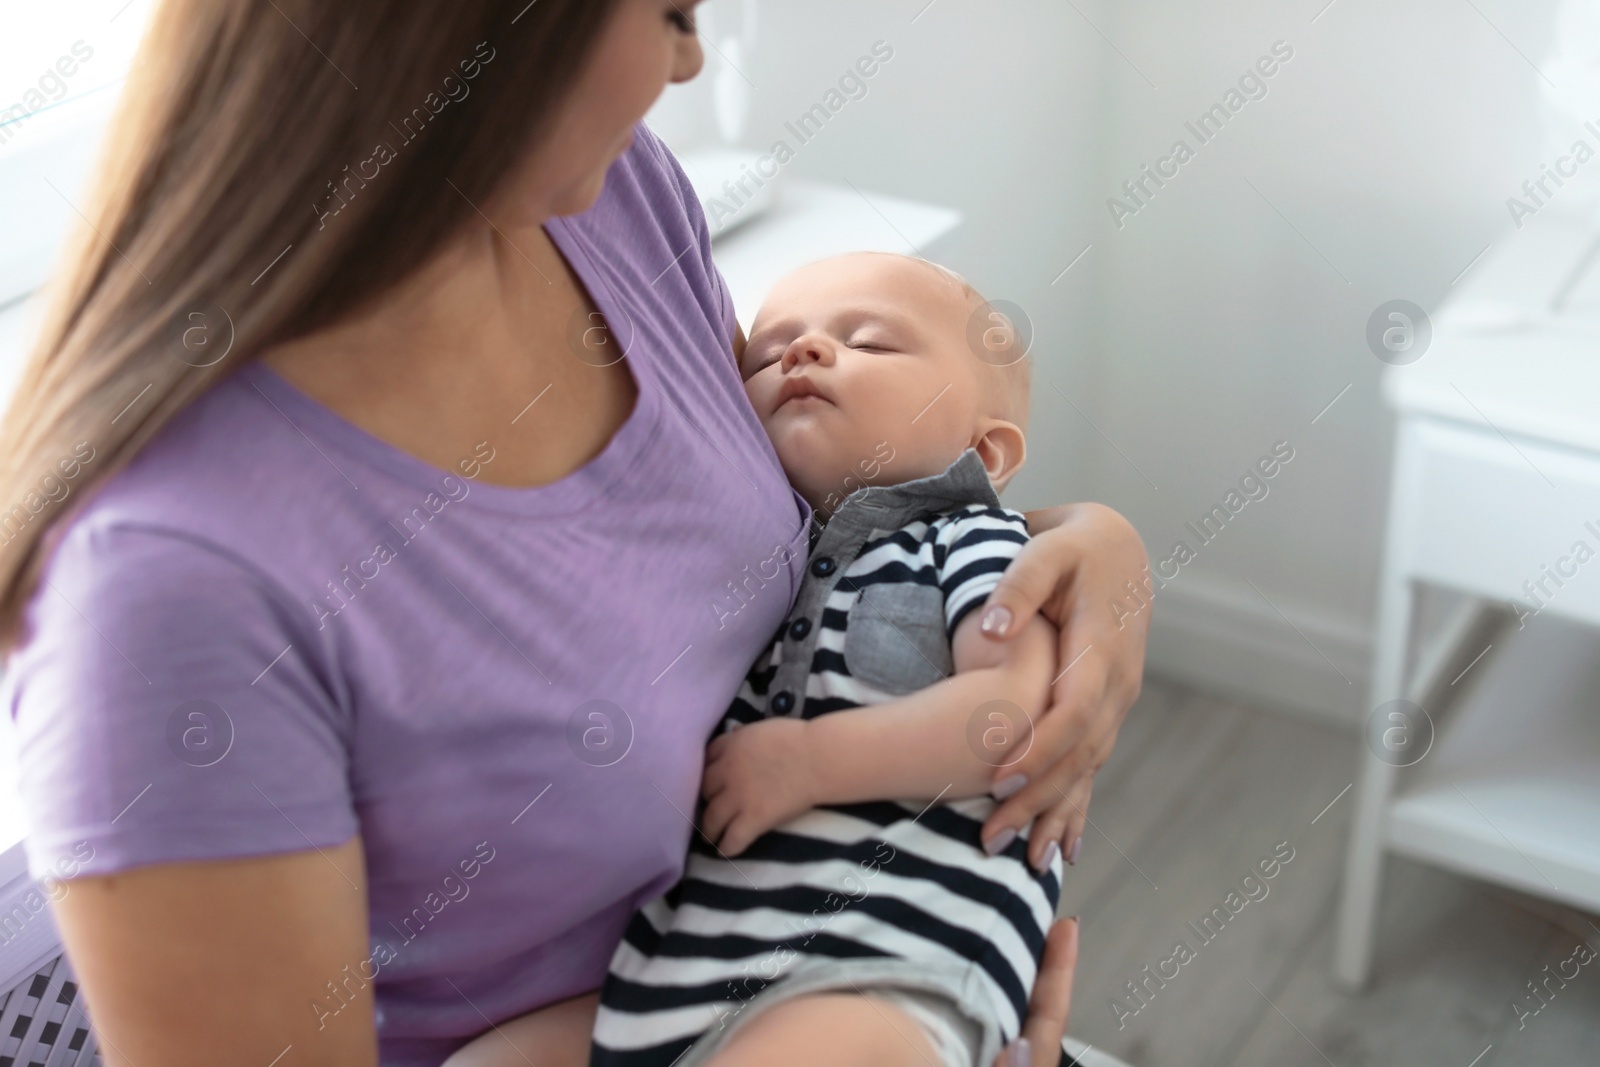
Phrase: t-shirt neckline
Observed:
(322, 425)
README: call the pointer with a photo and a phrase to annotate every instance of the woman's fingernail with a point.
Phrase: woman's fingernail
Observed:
(1072, 853)
(996, 620)
(1020, 1053)
(1000, 841)
(1050, 851)
(1006, 787)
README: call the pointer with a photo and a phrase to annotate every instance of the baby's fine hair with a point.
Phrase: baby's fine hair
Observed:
(1015, 367)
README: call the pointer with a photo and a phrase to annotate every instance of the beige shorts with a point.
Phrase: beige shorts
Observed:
(954, 1037)
(948, 1004)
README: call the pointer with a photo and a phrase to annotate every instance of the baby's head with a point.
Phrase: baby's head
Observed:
(876, 369)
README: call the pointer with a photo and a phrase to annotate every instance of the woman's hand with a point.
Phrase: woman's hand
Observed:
(1086, 571)
(1051, 1003)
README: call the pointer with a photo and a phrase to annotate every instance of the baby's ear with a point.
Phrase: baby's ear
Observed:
(1003, 448)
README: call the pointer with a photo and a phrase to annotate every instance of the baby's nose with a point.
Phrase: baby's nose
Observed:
(808, 350)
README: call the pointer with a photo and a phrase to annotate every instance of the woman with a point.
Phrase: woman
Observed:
(362, 669)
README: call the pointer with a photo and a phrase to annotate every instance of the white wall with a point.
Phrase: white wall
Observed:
(1209, 326)
(955, 118)
(45, 156)
(1390, 142)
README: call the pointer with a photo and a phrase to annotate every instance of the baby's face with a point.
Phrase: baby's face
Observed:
(859, 369)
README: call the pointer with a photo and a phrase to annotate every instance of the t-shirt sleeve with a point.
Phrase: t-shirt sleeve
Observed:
(977, 545)
(702, 232)
(167, 707)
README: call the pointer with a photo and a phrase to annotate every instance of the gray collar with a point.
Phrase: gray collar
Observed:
(886, 507)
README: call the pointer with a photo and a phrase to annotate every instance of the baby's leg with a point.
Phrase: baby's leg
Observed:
(839, 1029)
(554, 1036)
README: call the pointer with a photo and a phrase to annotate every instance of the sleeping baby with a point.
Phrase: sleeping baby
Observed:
(839, 906)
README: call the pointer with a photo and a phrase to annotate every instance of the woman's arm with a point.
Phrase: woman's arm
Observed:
(1085, 570)
(232, 961)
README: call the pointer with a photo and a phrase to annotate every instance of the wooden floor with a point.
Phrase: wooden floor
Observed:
(1197, 793)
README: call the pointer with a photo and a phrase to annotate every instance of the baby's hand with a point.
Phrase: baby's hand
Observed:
(757, 776)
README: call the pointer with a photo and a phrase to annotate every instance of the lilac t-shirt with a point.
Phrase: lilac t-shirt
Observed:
(273, 631)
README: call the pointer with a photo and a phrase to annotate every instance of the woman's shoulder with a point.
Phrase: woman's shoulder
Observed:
(201, 497)
(646, 197)
(221, 443)
(161, 632)
(653, 172)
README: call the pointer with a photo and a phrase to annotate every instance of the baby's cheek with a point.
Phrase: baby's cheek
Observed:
(762, 387)
(759, 396)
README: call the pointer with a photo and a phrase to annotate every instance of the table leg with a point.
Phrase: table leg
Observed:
(1364, 861)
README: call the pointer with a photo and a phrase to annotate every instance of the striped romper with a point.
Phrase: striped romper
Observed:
(895, 895)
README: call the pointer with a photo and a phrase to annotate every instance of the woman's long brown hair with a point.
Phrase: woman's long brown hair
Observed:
(242, 126)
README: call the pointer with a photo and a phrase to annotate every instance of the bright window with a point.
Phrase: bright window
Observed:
(61, 65)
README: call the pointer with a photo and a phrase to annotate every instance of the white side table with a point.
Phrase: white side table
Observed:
(1496, 480)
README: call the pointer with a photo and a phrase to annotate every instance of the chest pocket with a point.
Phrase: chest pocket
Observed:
(894, 640)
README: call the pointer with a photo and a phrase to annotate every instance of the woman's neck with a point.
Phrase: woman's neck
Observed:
(450, 356)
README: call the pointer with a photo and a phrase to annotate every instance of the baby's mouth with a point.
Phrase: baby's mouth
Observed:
(798, 389)
(801, 399)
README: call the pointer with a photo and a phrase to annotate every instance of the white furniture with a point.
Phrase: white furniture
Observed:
(1496, 480)
(814, 220)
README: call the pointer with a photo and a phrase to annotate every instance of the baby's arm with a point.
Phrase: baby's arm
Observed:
(922, 745)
